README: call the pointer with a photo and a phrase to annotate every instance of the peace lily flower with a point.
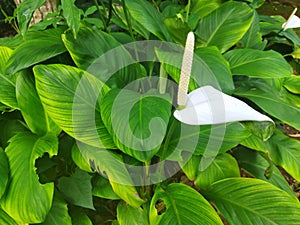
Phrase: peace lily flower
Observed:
(207, 105)
(292, 22)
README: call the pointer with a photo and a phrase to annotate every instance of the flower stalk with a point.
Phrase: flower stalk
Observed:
(186, 68)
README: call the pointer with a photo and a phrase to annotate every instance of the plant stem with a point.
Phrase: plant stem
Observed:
(188, 10)
(128, 19)
(101, 16)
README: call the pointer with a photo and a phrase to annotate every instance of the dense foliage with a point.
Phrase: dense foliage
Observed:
(87, 132)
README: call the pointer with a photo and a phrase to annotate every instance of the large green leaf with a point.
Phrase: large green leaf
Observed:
(88, 51)
(103, 189)
(127, 215)
(292, 83)
(58, 213)
(31, 107)
(148, 16)
(103, 161)
(252, 62)
(79, 217)
(7, 83)
(26, 200)
(25, 11)
(284, 151)
(202, 140)
(72, 15)
(223, 166)
(225, 26)
(70, 97)
(77, 189)
(209, 68)
(6, 219)
(251, 201)
(253, 38)
(4, 170)
(89, 45)
(180, 204)
(137, 122)
(256, 165)
(40, 45)
(269, 99)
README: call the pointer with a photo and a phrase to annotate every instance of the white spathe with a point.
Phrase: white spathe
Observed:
(207, 105)
(292, 22)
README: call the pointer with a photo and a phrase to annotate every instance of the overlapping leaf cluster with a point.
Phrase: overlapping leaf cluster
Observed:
(50, 153)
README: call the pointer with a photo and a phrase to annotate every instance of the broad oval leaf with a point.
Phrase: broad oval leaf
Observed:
(127, 215)
(70, 97)
(252, 62)
(251, 201)
(223, 166)
(256, 165)
(31, 107)
(208, 140)
(270, 100)
(77, 189)
(26, 200)
(7, 82)
(149, 17)
(292, 84)
(137, 122)
(40, 45)
(89, 45)
(169, 204)
(103, 161)
(226, 25)
(284, 151)
(58, 213)
(4, 171)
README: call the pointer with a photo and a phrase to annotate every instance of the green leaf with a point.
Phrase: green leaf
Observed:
(121, 22)
(9, 127)
(202, 140)
(103, 189)
(292, 84)
(253, 63)
(104, 161)
(77, 189)
(127, 215)
(7, 83)
(167, 207)
(137, 122)
(284, 151)
(25, 11)
(70, 97)
(88, 46)
(5, 53)
(31, 107)
(40, 45)
(204, 7)
(58, 213)
(253, 38)
(223, 166)
(209, 68)
(79, 160)
(253, 201)
(256, 165)
(88, 50)
(4, 171)
(26, 200)
(72, 15)
(269, 99)
(149, 18)
(6, 219)
(177, 28)
(79, 217)
(225, 26)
